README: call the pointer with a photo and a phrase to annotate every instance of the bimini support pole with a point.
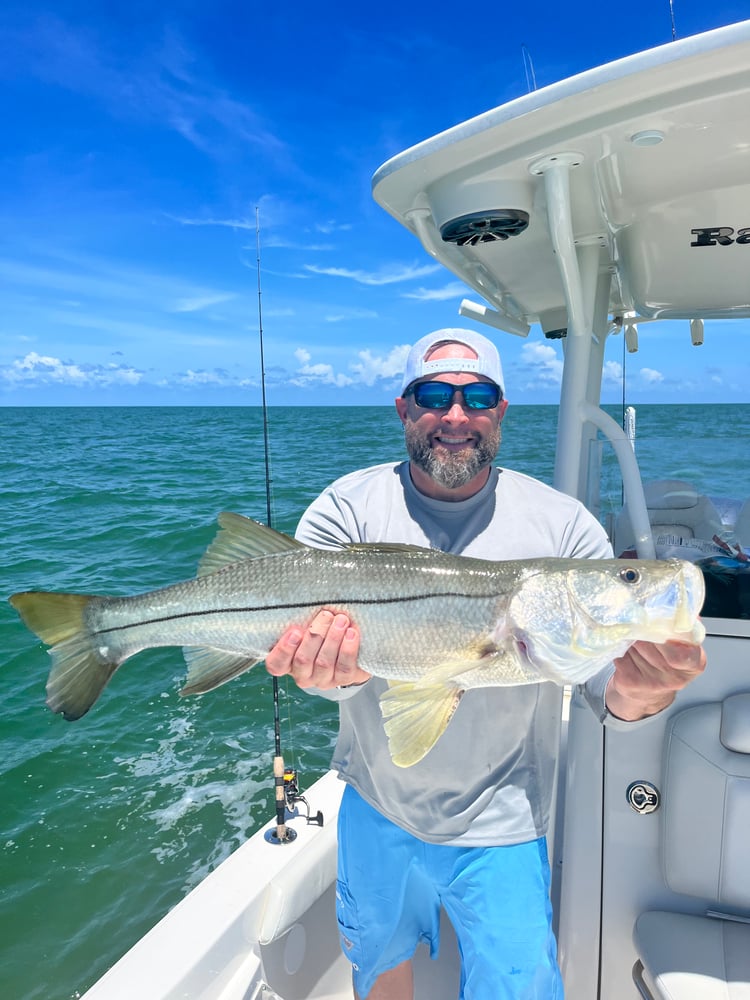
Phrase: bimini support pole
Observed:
(580, 275)
(555, 171)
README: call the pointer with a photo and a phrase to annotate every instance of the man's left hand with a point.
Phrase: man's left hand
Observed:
(649, 675)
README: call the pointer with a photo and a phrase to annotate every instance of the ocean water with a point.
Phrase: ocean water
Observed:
(106, 823)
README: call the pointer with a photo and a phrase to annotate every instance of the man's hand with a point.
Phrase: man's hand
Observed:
(649, 675)
(322, 655)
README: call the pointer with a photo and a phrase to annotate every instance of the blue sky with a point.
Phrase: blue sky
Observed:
(139, 139)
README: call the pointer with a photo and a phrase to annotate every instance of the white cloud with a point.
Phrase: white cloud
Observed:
(372, 367)
(278, 222)
(280, 242)
(385, 276)
(167, 86)
(333, 227)
(198, 302)
(651, 376)
(612, 371)
(92, 279)
(350, 314)
(228, 223)
(542, 362)
(319, 374)
(544, 367)
(453, 290)
(217, 377)
(38, 370)
(279, 313)
(121, 375)
(369, 369)
(204, 378)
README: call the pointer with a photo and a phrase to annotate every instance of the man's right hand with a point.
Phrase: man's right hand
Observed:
(322, 655)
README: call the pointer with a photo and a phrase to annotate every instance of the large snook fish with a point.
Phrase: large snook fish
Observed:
(432, 624)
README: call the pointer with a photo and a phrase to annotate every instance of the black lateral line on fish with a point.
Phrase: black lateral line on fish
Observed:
(343, 602)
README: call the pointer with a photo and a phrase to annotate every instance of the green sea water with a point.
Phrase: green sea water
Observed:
(106, 823)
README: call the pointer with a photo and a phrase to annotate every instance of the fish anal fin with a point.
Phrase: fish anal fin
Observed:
(242, 538)
(209, 668)
(415, 718)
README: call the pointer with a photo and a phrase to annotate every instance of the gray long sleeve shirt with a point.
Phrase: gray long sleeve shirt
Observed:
(489, 778)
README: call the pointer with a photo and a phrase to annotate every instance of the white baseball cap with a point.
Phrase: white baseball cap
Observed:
(486, 362)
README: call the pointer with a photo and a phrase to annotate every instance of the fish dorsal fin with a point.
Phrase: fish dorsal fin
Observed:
(242, 538)
(415, 717)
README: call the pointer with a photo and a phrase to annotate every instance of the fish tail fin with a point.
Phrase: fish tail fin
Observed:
(415, 717)
(80, 670)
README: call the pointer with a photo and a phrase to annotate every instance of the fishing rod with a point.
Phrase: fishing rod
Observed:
(283, 834)
(285, 779)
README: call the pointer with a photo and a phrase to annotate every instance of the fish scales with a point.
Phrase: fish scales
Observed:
(432, 624)
(246, 606)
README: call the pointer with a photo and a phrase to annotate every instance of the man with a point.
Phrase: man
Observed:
(465, 827)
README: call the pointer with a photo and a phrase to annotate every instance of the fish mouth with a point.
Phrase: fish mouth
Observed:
(681, 602)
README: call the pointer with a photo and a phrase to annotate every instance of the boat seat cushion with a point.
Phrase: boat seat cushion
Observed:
(735, 723)
(706, 807)
(674, 507)
(705, 855)
(690, 957)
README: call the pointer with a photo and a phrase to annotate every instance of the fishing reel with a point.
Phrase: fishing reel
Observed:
(287, 798)
(286, 787)
(293, 796)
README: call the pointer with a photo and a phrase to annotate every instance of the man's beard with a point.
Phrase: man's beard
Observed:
(450, 469)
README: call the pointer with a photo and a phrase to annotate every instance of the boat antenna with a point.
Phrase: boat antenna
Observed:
(266, 448)
(282, 834)
(671, 15)
(528, 66)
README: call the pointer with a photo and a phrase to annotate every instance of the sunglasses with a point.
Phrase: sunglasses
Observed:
(439, 395)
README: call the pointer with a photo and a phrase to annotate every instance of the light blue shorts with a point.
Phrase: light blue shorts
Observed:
(391, 887)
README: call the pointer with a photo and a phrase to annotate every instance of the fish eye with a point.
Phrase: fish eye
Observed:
(630, 575)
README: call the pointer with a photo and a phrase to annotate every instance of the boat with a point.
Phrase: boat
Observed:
(599, 206)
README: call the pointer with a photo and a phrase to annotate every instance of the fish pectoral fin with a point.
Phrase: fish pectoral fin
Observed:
(415, 718)
(208, 668)
(472, 657)
(242, 538)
